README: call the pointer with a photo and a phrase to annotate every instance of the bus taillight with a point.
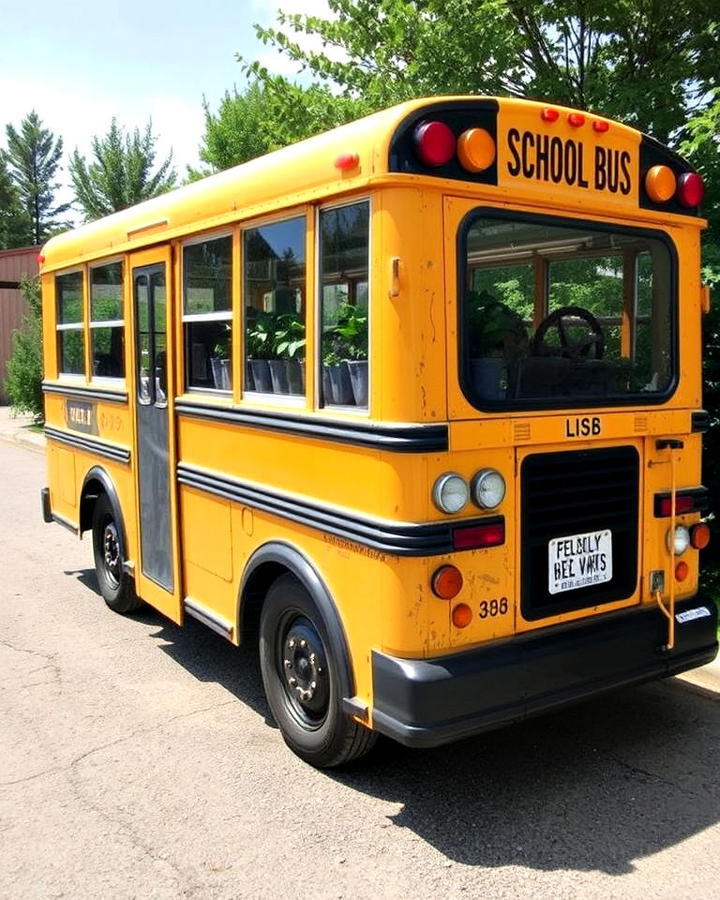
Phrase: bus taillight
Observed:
(474, 537)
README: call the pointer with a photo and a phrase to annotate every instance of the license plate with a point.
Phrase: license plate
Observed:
(579, 560)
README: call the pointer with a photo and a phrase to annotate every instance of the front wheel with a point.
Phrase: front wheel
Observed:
(300, 675)
(116, 585)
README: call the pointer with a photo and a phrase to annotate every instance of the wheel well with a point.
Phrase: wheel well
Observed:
(92, 489)
(254, 592)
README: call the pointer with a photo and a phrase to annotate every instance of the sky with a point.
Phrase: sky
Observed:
(79, 64)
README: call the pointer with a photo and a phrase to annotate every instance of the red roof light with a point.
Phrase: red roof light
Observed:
(576, 119)
(549, 114)
(601, 125)
(690, 190)
(434, 143)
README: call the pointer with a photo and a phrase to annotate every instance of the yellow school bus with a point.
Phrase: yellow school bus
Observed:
(415, 404)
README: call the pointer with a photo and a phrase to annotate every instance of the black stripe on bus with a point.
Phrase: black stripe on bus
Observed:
(85, 393)
(397, 538)
(397, 438)
(89, 445)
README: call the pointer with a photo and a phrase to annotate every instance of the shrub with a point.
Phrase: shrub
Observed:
(24, 368)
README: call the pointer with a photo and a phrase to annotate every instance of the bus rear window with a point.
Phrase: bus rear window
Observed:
(556, 315)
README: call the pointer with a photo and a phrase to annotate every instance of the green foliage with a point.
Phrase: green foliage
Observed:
(641, 62)
(347, 338)
(120, 172)
(14, 224)
(24, 368)
(33, 157)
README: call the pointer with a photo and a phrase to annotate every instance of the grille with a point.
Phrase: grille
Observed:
(565, 494)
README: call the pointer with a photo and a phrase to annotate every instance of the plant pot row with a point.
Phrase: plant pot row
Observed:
(344, 383)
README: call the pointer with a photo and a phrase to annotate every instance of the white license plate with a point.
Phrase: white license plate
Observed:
(579, 560)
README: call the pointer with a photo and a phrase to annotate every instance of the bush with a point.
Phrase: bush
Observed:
(24, 368)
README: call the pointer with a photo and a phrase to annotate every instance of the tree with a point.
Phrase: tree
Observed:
(638, 60)
(14, 225)
(24, 368)
(120, 173)
(33, 157)
(266, 116)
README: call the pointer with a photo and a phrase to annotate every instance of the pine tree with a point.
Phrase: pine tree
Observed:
(120, 173)
(33, 157)
(14, 225)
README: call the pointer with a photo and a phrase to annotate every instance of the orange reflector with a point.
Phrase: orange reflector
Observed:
(576, 119)
(549, 114)
(700, 536)
(601, 125)
(660, 183)
(347, 161)
(446, 582)
(476, 150)
(682, 570)
(461, 615)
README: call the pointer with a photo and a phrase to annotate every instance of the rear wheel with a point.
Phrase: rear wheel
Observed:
(301, 679)
(116, 585)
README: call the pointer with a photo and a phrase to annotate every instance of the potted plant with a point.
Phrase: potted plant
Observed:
(345, 359)
(220, 362)
(290, 347)
(497, 342)
(260, 349)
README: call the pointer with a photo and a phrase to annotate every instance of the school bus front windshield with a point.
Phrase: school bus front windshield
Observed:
(556, 315)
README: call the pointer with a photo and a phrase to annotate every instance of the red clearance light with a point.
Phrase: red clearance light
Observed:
(347, 161)
(690, 190)
(549, 114)
(40, 258)
(434, 143)
(683, 504)
(576, 119)
(462, 615)
(601, 125)
(472, 537)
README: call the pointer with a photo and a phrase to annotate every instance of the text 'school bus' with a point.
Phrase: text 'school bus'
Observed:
(416, 400)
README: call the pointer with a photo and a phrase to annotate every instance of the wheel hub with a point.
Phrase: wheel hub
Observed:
(111, 548)
(304, 667)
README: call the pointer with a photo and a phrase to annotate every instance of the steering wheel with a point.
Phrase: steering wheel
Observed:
(591, 346)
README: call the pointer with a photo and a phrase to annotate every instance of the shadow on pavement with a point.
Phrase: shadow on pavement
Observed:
(593, 787)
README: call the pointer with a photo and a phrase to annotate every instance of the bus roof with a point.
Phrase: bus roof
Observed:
(307, 171)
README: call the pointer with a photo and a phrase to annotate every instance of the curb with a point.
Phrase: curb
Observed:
(706, 678)
(23, 438)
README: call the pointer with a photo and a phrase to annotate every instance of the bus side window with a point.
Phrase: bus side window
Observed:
(343, 280)
(107, 326)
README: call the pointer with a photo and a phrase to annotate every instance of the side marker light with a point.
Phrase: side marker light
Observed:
(347, 161)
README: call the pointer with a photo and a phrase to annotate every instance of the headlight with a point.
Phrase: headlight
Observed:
(682, 540)
(488, 488)
(450, 493)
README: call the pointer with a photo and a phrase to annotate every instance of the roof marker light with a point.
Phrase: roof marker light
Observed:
(576, 119)
(347, 161)
(434, 143)
(549, 114)
(476, 150)
(601, 125)
(40, 258)
(690, 190)
(660, 183)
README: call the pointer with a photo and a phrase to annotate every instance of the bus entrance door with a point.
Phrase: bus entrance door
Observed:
(157, 577)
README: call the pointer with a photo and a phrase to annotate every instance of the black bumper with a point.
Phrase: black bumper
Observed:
(427, 702)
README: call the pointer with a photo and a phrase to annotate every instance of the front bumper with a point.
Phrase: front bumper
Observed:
(427, 702)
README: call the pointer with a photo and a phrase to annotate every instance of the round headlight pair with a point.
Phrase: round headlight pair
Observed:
(451, 492)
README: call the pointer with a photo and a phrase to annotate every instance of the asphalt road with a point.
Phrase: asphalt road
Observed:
(137, 760)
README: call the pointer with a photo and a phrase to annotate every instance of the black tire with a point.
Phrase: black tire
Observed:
(116, 585)
(309, 711)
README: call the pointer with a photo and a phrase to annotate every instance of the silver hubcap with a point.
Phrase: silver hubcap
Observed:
(111, 550)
